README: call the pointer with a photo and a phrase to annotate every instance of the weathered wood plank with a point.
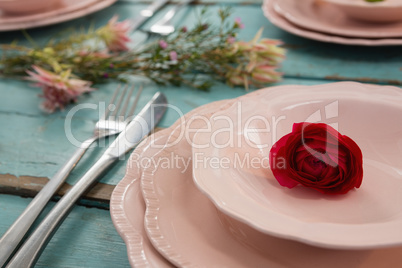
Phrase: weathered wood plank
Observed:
(35, 144)
(87, 238)
(306, 58)
(29, 186)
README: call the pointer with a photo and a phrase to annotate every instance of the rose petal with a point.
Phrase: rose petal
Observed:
(318, 157)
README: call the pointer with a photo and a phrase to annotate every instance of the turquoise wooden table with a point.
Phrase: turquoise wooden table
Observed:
(33, 145)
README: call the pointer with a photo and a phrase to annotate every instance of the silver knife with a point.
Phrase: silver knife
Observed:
(147, 13)
(139, 127)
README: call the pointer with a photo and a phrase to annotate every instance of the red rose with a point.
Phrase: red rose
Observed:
(319, 157)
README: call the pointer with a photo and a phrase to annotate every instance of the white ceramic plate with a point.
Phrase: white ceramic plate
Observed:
(327, 18)
(64, 11)
(284, 24)
(231, 166)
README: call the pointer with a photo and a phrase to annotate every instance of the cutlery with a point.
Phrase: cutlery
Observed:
(136, 130)
(164, 25)
(146, 13)
(107, 125)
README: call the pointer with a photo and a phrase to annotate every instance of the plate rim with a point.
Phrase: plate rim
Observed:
(282, 23)
(120, 220)
(58, 17)
(247, 217)
(280, 8)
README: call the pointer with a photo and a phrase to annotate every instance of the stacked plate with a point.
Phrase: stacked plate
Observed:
(334, 21)
(201, 193)
(63, 11)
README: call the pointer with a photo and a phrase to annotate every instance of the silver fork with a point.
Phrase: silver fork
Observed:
(164, 26)
(109, 124)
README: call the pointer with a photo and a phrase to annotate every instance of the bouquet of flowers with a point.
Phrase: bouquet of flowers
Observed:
(68, 67)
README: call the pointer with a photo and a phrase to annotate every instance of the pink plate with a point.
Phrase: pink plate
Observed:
(127, 206)
(327, 18)
(127, 211)
(381, 11)
(188, 230)
(231, 165)
(284, 24)
(63, 11)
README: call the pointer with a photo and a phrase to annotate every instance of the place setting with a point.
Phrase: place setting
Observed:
(57, 69)
(26, 14)
(358, 22)
(172, 138)
(202, 192)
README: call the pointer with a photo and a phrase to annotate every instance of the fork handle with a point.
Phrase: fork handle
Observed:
(13, 236)
(170, 14)
(34, 245)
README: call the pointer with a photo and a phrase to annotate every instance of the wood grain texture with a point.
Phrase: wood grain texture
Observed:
(306, 58)
(29, 186)
(87, 237)
(34, 145)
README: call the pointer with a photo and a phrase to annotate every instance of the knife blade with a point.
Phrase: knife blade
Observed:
(137, 129)
(146, 13)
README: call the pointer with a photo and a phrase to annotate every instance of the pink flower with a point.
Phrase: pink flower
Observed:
(163, 44)
(95, 54)
(231, 40)
(115, 34)
(261, 50)
(58, 89)
(263, 57)
(238, 23)
(268, 50)
(237, 80)
(265, 74)
(236, 77)
(173, 55)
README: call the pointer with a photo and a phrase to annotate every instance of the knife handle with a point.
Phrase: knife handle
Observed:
(151, 9)
(34, 245)
(169, 15)
(16, 232)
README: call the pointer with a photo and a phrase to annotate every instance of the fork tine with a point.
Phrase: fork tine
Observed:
(107, 108)
(117, 106)
(124, 109)
(137, 97)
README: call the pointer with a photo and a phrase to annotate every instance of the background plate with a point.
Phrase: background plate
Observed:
(286, 25)
(66, 10)
(327, 18)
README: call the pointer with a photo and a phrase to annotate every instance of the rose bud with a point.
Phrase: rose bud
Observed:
(317, 156)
